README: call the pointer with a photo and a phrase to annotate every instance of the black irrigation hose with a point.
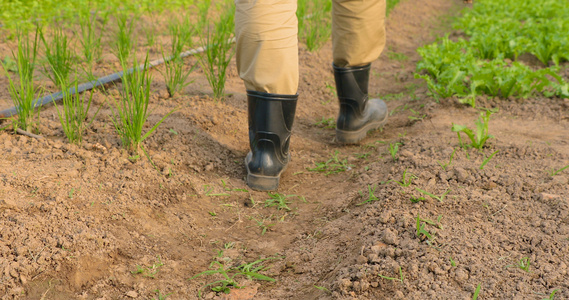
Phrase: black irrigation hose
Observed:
(95, 83)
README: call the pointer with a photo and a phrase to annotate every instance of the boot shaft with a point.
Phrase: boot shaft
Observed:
(271, 117)
(352, 89)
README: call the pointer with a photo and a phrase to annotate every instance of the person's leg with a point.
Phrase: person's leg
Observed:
(267, 61)
(267, 45)
(358, 38)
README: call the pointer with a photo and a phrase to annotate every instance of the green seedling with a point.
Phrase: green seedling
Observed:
(261, 224)
(397, 56)
(23, 91)
(440, 198)
(278, 200)
(362, 155)
(416, 116)
(333, 165)
(203, 10)
(421, 231)
(321, 288)
(523, 264)
(229, 274)
(390, 5)
(149, 271)
(175, 77)
(371, 197)
(218, 51)
(478, 138)
(487, 159)
(208, 191)
(446, 165)
(393, 149)
(332, 89)
(212, 213)
(399, 108)
(59, 57)
(452, 262)
(551, 296)
(406, 179)
(327, 123)
(130, 112)
(229, 189)
(476, 292)
(554, 172)
(91, 39)
(319, 28)
(314, 25)
(161, 296)
(416, 199)
(124, 43)
(74, 111)
(400, 279)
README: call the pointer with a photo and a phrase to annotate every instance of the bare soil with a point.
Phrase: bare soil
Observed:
(78, 222)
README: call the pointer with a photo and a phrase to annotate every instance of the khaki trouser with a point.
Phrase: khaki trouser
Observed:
(267, 42)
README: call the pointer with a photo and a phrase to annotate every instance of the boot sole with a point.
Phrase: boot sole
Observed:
(354, 137)
(262, 182)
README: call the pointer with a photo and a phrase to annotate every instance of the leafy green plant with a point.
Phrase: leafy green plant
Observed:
(130, 112)
(333, 165)
(230, 273)
(218, 50)
(486, 63)
(478, 138)
(371, 197)
(24, 91)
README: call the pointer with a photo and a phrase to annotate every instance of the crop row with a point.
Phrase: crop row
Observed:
(68, 50)
(488, 61)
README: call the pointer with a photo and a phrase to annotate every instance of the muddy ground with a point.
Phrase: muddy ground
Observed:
(79, 222)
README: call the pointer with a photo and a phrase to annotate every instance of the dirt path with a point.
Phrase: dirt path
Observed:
(89, 223)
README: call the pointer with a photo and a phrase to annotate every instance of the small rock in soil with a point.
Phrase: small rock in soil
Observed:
(390, 237)
(132, 294)
(460, 275)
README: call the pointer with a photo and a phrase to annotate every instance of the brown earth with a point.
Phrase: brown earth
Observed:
(78, 222)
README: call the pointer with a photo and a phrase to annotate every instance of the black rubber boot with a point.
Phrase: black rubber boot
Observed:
(270, 124)
(358, 114)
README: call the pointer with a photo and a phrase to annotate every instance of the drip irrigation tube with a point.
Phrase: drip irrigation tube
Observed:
(99, 82)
